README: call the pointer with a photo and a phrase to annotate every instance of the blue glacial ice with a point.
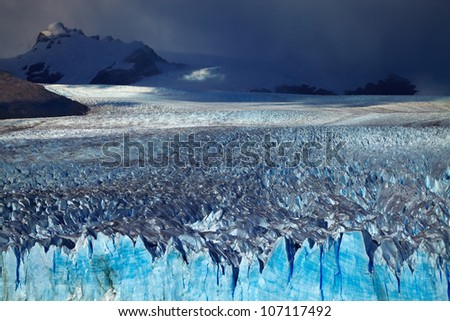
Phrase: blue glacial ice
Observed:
(375, 228)
(116, 268)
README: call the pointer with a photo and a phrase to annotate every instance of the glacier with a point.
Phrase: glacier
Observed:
(116, 268)
(375, 227)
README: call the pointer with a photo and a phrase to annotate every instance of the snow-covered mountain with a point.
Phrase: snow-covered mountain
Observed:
(68, 56)
(63, 55)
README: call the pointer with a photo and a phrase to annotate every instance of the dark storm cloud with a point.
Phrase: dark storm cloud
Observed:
(327, 42)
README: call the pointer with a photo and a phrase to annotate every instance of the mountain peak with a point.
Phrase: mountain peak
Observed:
(56, 30)
(67, 55)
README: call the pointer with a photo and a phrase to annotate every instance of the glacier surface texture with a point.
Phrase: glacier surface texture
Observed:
(372, 227)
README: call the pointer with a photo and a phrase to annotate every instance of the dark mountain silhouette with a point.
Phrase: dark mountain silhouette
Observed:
(24, 99)
(302, 90)
(392, 85)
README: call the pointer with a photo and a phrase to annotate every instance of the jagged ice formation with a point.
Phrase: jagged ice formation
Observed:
(374, 228)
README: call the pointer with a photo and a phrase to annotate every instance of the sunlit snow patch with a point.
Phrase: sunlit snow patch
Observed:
(205, 74)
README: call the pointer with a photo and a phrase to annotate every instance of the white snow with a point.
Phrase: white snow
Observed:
(57, 29)
(205, 74)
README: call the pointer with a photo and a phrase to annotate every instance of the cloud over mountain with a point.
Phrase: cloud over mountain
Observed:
(337, 44)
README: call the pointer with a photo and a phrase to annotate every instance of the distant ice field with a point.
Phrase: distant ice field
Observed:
(118, 108)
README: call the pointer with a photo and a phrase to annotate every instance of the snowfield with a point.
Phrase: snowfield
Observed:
(116, 109)
(352, 202)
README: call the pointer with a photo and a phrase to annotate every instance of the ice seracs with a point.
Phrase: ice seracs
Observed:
(118, 268)
(375, 227)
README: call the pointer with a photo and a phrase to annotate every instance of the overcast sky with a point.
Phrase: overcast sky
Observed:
(328, 40)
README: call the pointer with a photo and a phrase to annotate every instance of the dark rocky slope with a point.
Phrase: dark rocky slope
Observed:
(23, 99)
